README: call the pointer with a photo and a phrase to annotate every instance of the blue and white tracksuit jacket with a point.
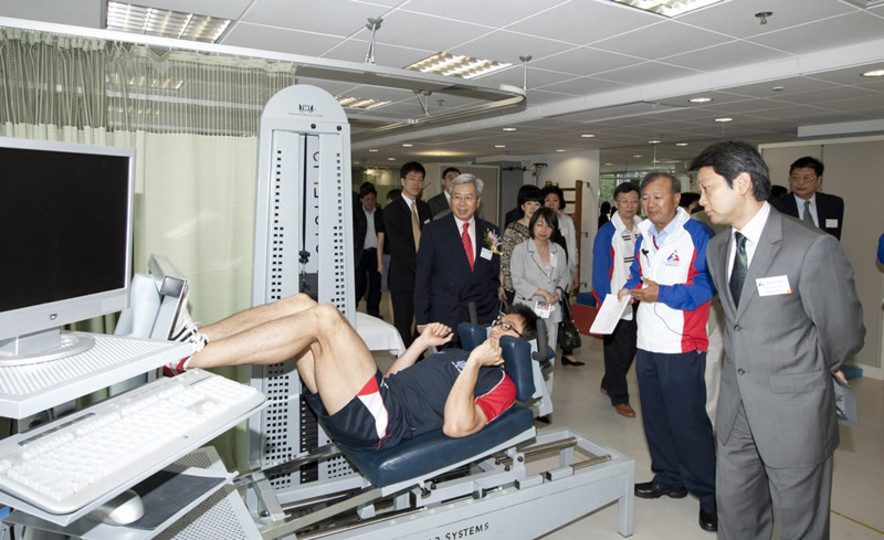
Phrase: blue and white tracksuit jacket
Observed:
(676, 322)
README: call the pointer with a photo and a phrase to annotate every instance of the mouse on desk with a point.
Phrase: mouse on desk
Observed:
(123, 509)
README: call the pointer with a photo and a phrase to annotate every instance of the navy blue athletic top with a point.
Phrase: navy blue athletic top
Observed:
(420, 392)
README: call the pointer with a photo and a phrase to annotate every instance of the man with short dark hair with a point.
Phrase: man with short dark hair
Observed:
(792, 318)
(441, 203)
(458, 262)
(404, 219)
(612, 254)
(670, 281)
(457, 391)
(368, 279)
(806, 202)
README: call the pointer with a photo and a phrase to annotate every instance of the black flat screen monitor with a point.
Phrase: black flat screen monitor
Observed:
(65, 238)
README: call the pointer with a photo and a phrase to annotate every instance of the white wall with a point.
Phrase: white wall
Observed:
(565, 169)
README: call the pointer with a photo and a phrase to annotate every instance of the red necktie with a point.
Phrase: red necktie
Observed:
(468, 244)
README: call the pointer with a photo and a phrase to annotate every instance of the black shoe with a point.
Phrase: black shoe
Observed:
(546, 418)
(566, 362)
(709, 520)
(650, 490)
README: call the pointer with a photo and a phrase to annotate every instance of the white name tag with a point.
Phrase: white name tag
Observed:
(774, 285)
(485, 254)
(831, 223)
(552, 259)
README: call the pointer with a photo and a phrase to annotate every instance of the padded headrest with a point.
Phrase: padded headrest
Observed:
(516, 356)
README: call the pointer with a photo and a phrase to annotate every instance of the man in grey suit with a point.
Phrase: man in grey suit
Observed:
(792, 318)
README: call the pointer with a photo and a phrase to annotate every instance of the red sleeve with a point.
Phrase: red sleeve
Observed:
(500, 398)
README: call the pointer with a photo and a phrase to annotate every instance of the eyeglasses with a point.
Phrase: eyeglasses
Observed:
(507, 326)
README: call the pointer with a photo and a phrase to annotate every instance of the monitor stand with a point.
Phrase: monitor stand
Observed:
(42, 347)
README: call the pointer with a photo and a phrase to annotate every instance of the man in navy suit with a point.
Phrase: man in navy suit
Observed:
(404, 219)
(458, 261)
(806, 203)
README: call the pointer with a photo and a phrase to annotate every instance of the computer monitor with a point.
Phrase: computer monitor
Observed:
(65, 243)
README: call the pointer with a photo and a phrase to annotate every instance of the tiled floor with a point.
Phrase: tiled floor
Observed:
(857, 499)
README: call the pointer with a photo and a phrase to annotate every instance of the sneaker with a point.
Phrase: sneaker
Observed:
(186, 331)
(176, 368)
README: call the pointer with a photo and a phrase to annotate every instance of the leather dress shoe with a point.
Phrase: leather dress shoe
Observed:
(623, 409)
(709, 520)
(650, 490)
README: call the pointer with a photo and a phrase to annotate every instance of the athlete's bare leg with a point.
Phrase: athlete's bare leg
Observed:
(332, 358)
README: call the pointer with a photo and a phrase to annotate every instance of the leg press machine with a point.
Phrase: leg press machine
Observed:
(508, 480)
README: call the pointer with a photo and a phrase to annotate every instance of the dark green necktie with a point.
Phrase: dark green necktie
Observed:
(741, 266)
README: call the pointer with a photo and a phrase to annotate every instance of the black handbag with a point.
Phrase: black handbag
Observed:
(569, 337)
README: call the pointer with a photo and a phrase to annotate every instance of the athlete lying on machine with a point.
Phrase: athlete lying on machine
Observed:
(453, 389)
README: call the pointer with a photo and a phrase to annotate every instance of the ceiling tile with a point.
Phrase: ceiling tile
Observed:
(585, 61)
(479, 12)
(257, 36)
(724, 56)
(582, 22)
(737, 18)
(838, 31)
(663, 39)
(646, 73)
(335, 17)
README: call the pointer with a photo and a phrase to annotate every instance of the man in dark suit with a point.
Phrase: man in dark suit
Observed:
(806, 202)
(403, 220)
(458, 262)
(368, 280)
(792, 318)
(441, 203)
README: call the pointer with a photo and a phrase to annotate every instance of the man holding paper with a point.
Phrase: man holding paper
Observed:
(670, 281)
(792, 318)
(612, 254)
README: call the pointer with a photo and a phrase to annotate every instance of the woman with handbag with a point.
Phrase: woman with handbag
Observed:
(566, 236)
(539, 269)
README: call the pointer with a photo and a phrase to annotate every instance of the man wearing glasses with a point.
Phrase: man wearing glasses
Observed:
(361, 407)
(806, 202)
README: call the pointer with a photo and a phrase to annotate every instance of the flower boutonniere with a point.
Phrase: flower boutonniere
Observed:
(492, 242)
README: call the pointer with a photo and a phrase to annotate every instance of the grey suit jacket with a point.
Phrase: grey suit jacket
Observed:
(528, 274)
(780, 349)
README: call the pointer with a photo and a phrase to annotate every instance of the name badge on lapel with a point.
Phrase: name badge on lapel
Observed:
(831, 223)
(772, 286)
(485, 254)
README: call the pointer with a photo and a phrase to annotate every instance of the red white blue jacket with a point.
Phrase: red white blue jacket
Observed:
(676, 322)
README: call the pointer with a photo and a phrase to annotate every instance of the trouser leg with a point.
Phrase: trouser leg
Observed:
(741, 487)
(801, 499)
(684, 394)
(619, 350)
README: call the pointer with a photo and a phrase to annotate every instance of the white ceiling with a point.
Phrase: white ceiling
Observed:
(597, 67)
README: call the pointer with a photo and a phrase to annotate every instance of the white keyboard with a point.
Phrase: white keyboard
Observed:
(77, 459)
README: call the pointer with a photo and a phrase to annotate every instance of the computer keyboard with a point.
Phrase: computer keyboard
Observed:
(64, 466)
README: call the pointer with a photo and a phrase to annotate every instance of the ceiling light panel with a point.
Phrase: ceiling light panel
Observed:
(360, 103)
(164, 23)
(668, 8)
(453, 65)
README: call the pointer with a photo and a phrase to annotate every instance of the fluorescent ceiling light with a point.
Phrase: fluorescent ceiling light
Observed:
(874, 73)
(452, 65)
(164, 23)
(681, 144)
(668, 8)
(499, 146)
(407, 145)
(360, 103)
(654, 141)
(508, 129)
(587, 135)
(700, 100)
(724, 120)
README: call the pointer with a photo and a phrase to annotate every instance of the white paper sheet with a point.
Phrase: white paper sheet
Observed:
(609, 314)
